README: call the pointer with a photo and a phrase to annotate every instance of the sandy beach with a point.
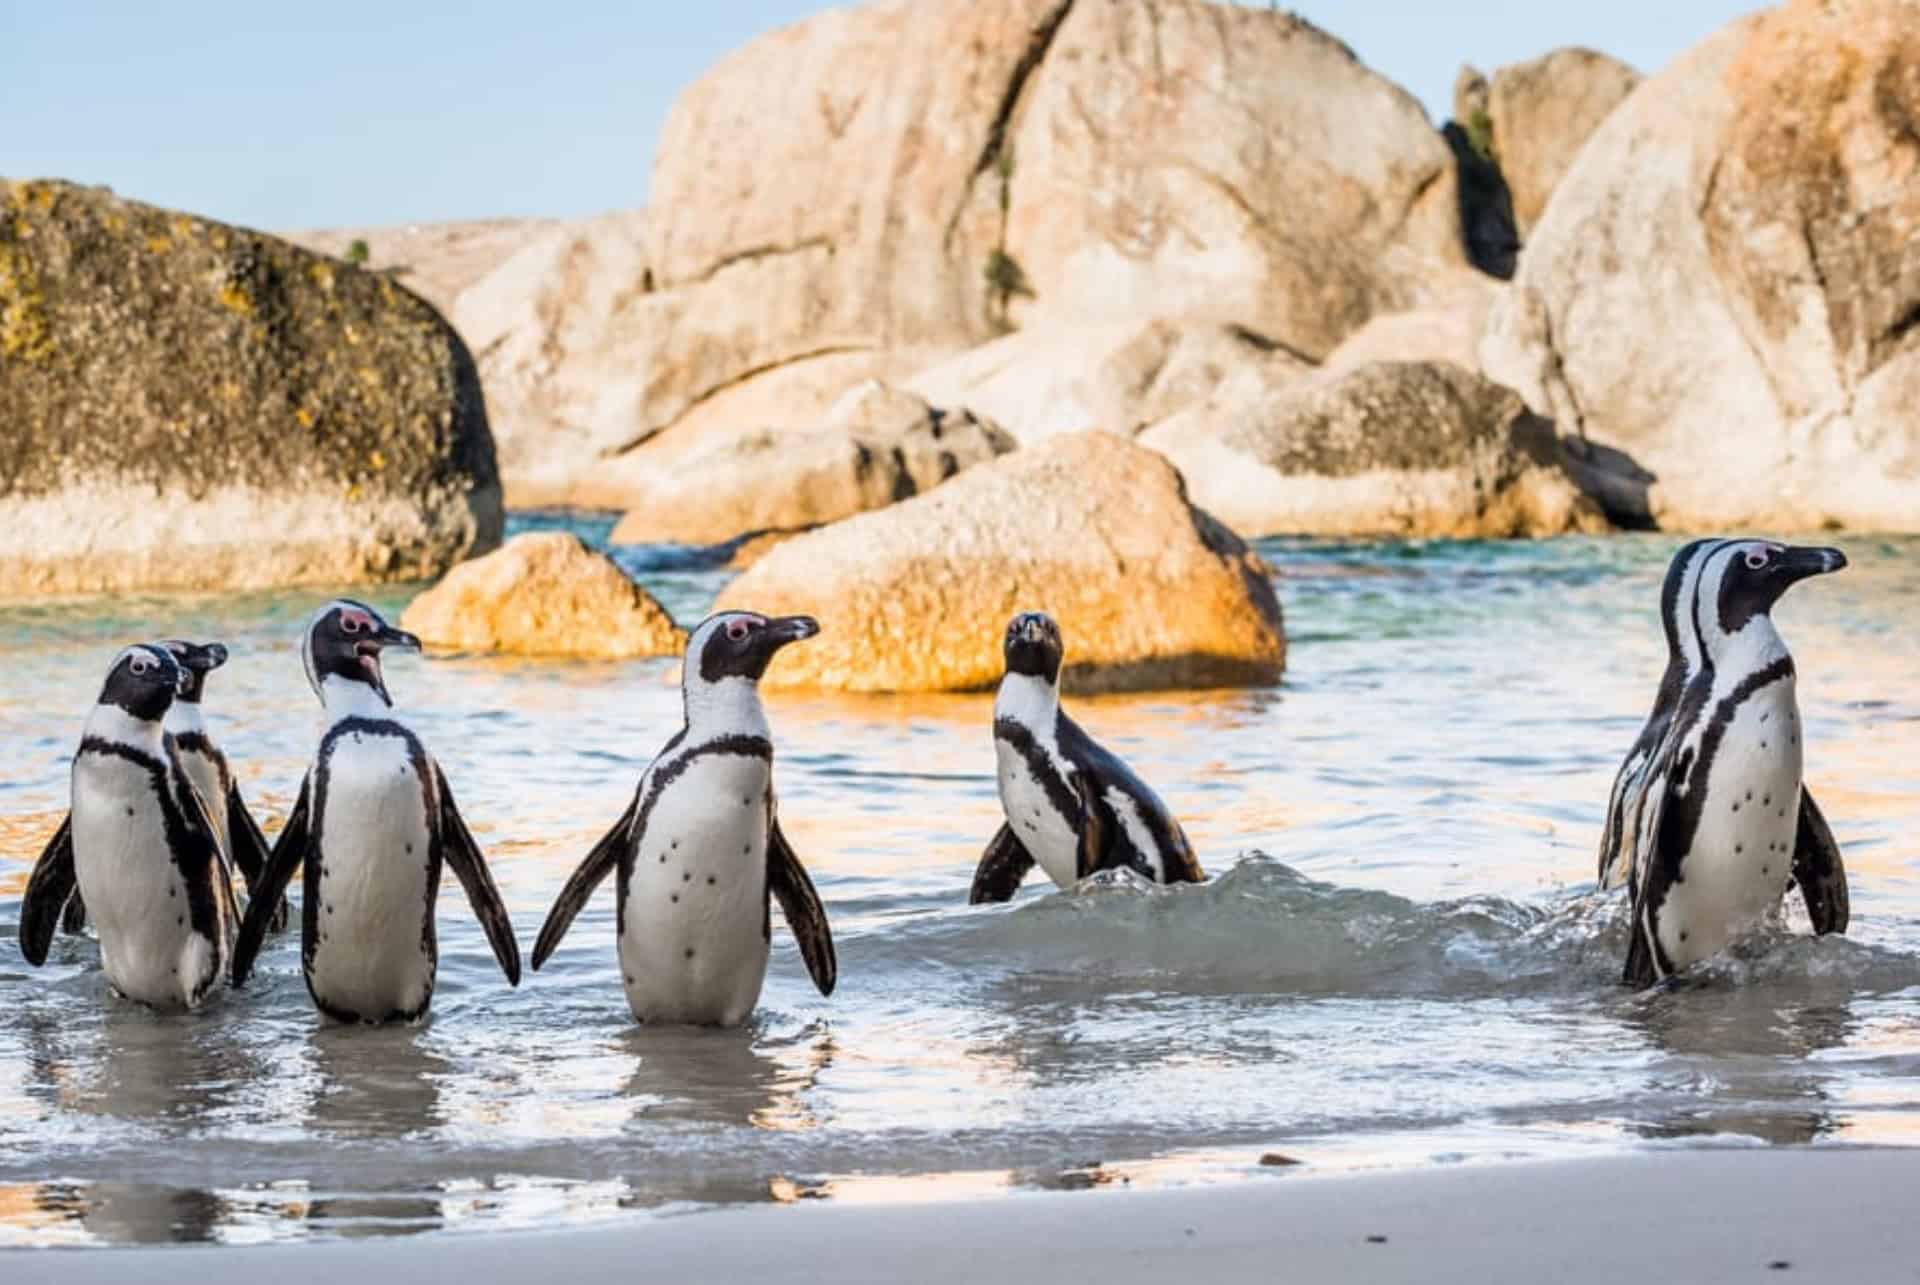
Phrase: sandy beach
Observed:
(1682, 1216)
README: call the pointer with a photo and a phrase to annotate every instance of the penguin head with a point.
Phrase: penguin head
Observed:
(1746, 577)
(1033, 646)
(344, 641)
(740, 644)
(196, 661)
(143, 682)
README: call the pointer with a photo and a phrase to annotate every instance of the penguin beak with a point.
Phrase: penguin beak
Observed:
(1800, 562)
(790, 629)
(369, 649)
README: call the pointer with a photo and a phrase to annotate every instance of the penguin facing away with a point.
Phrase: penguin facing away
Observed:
(138, 847)
(374, 824)
(699, 851)
(1722, 825)
(1071, 807)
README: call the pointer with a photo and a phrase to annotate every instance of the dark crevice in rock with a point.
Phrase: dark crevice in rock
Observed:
(1487, 226)
(1267, 344)
(745, 256)
(994, 148)
(1036, 52)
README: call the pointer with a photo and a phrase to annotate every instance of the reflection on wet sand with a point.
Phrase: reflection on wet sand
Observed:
(373, 1082)
(695, 1075)
(1744, 1062)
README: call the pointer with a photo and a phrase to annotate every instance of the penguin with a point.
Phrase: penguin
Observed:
(374, 824)
(138, 846)
(699, 850)
(1070, 805)
(1722, 825)
(1684, 661)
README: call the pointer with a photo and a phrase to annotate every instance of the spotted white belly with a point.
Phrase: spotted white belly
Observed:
(1037, 823)
(134, 893)
(1742, 855)
(693, 944)
(370, 956)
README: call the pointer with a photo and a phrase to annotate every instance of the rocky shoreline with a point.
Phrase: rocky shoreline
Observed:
(1591, 299)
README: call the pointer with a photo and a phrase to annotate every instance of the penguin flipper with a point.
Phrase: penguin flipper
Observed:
(1617, 836)
(788, 882)
(48, 890)
(74, 921)
(1654, 869)
(458, 850)
(1004, 864)
(204, 851)
(1093, 827)
(592, 871)
(289, 850)
(1818, 870)
(250, 852)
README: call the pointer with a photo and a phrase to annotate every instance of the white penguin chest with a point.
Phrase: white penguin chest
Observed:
(135, 894)
(371, 955)
(1741, 858)
(693, 944)
(1050, 837)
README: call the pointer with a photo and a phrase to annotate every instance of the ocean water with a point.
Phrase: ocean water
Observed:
(1400, 958)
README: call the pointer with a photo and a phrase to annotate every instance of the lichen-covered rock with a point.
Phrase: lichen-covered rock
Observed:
(1150, 592)
(187, 405)
(1542, 112)
(1395, 448)
(544, 593)
(879, 446)
(1725, 284)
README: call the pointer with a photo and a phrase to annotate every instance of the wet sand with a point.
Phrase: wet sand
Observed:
(1694, 1216)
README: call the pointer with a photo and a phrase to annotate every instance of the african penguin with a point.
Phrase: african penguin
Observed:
(208, 769)
(374, 823)
(138, 847)
(1684, 661)
(1721, 824)
(1070, 805)
(700, 851)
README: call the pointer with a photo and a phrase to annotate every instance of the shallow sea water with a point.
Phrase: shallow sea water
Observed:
(1400, 959)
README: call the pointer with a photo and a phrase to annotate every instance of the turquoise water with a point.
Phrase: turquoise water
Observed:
(1400, 960)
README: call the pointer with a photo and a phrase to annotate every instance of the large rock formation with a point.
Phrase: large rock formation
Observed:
(878, 188)
(1410, 449)
(189, 405)
(1540, 114)
(879, 445)
(544, 593)
(1725, 284)
(1149, 591)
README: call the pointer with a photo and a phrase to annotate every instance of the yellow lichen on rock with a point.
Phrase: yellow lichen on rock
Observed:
(23, 321)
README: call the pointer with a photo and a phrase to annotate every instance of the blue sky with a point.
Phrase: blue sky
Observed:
(341, 112)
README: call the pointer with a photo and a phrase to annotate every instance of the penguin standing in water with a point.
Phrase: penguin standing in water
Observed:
(1721, 824)
(241, 843)
(374, 824)
(1071, 806)
(207, 767)
(700, 852)
(138, 847)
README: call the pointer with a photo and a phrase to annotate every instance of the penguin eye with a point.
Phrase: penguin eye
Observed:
(1757, 559)
(738, 630)
(140, 665)
(350, 624)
